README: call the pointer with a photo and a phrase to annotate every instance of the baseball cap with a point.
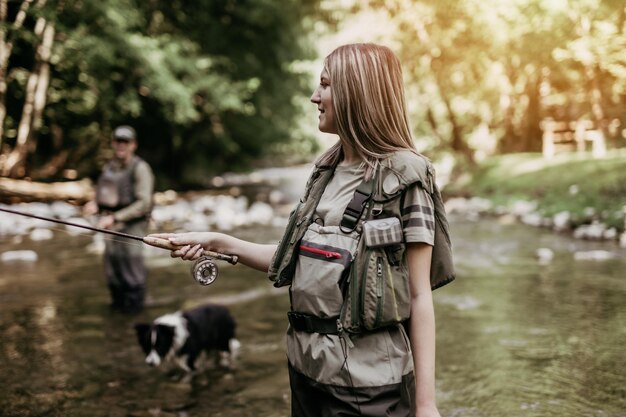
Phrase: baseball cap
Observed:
(124, 132)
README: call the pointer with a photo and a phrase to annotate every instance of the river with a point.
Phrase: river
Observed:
(516, 337)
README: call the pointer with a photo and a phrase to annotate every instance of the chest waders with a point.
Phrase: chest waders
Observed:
(123, 264)
(116, 187)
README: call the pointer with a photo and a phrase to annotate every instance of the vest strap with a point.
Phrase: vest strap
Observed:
(302, 322)
(356, 206)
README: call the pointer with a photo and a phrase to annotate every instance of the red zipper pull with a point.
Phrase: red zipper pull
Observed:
(328, 254)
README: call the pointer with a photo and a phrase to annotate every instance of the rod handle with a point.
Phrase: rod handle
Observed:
(160, 243)
(166, 244)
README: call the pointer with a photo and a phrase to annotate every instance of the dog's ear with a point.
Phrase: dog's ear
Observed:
(165, 330)
(143, 336)
(142, 330)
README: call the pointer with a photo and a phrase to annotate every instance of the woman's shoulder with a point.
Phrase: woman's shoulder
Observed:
(404, 168)
(410, 164)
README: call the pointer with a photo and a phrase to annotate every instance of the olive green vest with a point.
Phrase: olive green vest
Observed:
(398, 172)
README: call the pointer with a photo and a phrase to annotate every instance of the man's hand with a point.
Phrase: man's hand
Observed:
(90, 208)
(106, 222)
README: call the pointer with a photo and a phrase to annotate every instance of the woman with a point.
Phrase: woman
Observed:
(339, 363)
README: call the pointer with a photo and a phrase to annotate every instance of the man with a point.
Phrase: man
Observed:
(124, 202)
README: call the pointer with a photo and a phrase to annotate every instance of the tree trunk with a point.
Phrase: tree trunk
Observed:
(53, 166)
(510, 138)
(457, 142)
(4, 60)
(433, 124)
(531, 141)
(44, 78)
(12, 190)
(595, 94)
(509, 103)
(595, 97)
(34, 102)
(6, 47)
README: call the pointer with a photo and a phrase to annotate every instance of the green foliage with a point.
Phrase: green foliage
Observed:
(208, 84)
(569, 182)
(214, 85)
(501, 67)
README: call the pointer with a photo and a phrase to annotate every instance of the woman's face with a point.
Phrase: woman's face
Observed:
(323, 98)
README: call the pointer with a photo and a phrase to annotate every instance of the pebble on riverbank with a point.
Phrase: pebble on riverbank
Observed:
(19, 256)
(527, 213)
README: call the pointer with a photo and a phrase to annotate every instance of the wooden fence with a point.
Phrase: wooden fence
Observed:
(560, 136)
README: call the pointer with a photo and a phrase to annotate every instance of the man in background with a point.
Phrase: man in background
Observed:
(123, 203)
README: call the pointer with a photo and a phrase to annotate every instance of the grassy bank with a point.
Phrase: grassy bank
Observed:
(588, 188)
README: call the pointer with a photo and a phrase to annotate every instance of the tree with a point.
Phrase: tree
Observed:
(36, 86)
(508, 65)
(208, 85)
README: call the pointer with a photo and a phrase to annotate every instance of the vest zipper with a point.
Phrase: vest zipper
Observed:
(380, 282)
(326, 253)
(356, 295)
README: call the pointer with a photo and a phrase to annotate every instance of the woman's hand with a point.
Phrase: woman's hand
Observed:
(190, 245)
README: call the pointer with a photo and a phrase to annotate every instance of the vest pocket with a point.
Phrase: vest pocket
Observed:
(281, 249)
(291, 225)
(385, 295)
(325, 255)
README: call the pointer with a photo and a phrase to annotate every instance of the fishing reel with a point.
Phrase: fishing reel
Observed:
(204, 270)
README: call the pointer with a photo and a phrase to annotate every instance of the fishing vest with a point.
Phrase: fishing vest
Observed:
(377, 285)
(116, 187)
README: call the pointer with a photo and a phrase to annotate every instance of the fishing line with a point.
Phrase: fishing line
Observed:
(204, 270)
(82, 226)
(105, 237)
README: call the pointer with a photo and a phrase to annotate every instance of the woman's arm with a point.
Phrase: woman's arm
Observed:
(422, 328)
(254, 255)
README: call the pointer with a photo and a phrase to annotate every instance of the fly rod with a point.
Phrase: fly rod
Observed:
(204, 269)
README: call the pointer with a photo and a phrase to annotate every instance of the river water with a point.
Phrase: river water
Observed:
(515, 337)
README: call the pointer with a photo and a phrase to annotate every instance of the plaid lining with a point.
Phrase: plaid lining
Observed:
(382, 232)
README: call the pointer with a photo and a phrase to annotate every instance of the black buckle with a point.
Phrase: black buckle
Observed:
(300, 322)
(311, 324)
(353, 211)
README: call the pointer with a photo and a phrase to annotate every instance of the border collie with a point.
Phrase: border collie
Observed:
(182, 336)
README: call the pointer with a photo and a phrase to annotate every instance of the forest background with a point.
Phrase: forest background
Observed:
(223, 85)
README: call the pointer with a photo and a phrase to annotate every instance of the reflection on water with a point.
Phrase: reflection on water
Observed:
(518, 338)
(515, 337)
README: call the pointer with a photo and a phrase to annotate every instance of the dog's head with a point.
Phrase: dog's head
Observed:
(156, 341)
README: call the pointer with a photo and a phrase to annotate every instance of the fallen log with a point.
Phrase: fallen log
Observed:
(15, 191)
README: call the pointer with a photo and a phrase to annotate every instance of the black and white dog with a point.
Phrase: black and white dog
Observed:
(182, 336)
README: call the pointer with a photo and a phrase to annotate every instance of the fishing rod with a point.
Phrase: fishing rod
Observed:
(204, 270)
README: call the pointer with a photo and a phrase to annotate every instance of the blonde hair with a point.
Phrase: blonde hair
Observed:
(369, 104)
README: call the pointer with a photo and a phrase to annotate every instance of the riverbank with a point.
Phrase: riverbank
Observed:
(570, 192)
